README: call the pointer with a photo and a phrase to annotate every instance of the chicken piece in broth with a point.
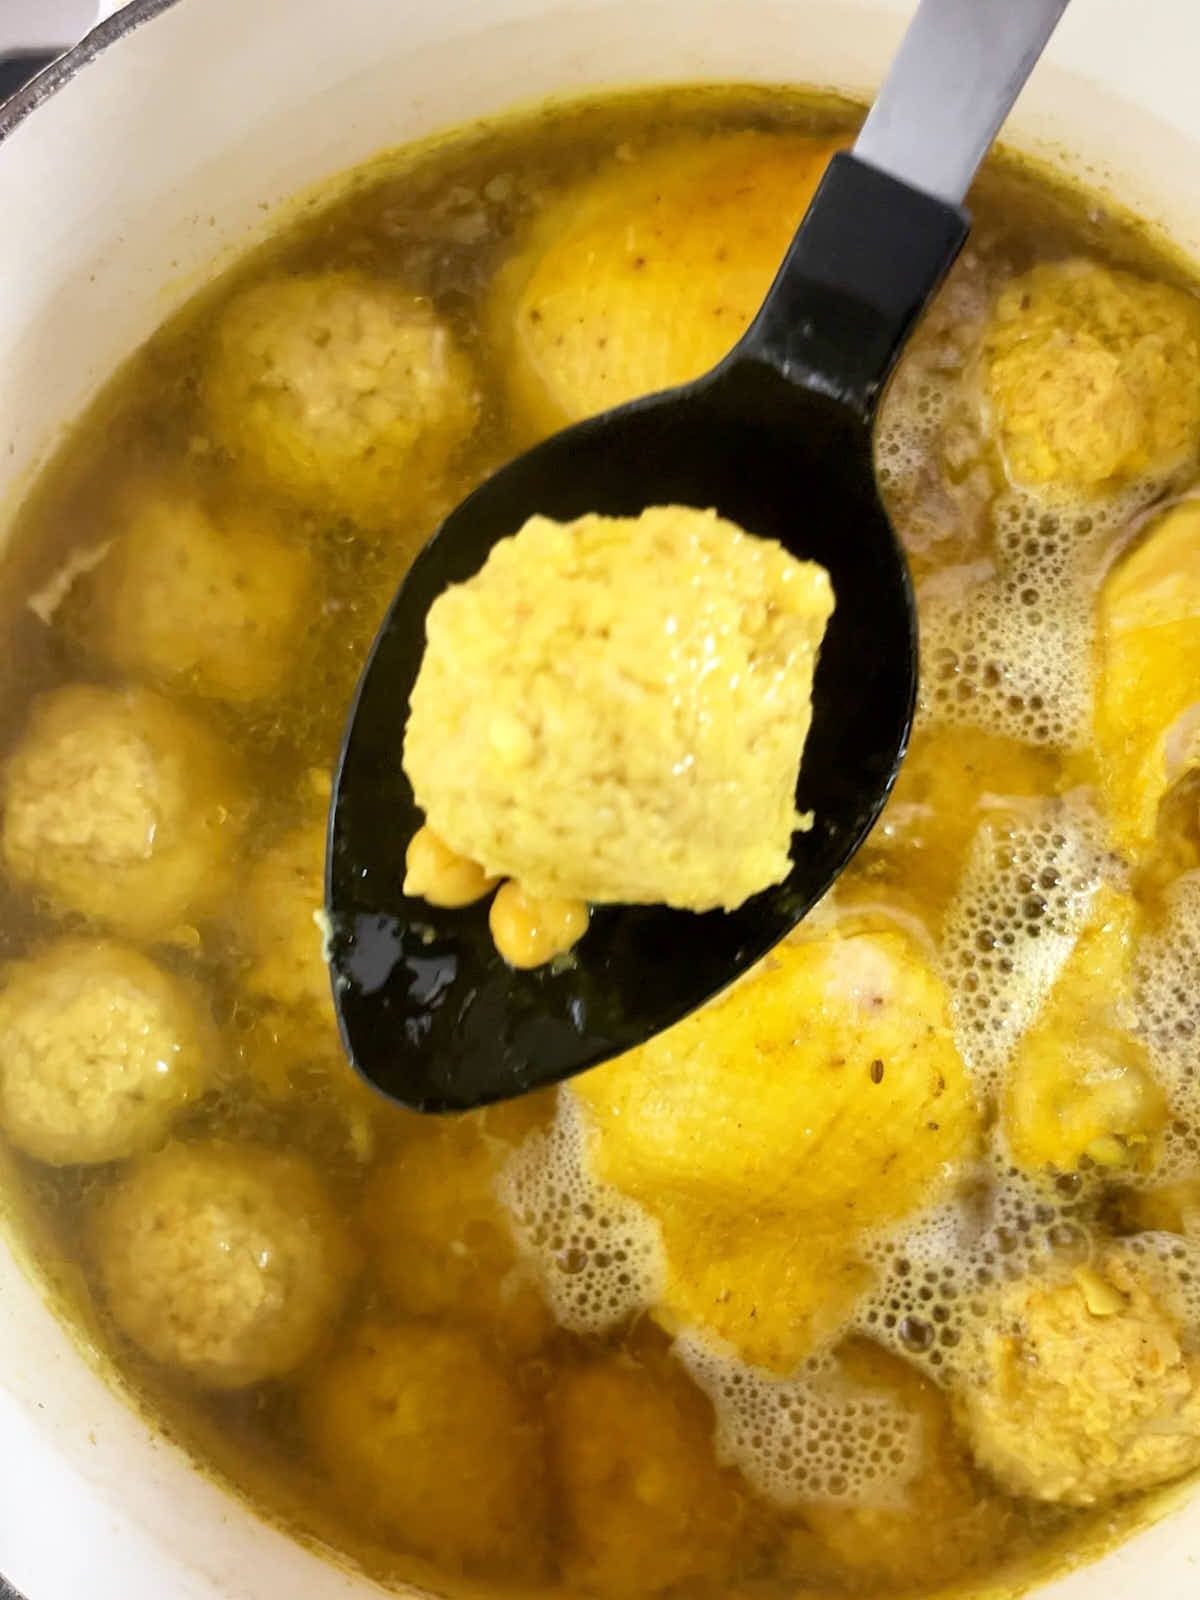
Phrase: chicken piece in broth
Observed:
(1148, 678)
(821, 1096)
(1081, 1085)
(646, 276)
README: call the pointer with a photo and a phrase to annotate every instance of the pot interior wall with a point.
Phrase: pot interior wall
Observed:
(168, 152)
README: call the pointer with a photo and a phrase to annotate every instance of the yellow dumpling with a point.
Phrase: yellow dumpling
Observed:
(227, 1261)
(340, 390)
(441, 1241)
(1080, 1083)
(821, 1096)
(946, 1520)
(647, 275)
(284, 896)
(644, 1505)
(288, 1032)
(208, 602)
(1148, 671)
(100, 1050)
(1092, 375)
(1080, 1389)
(432, 1443)
(290, 1026)
(614, 709)
(123, 808)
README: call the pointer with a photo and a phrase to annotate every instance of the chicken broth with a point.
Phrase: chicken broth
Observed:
(878, 1276)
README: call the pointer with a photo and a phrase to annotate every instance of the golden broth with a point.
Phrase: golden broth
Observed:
(609, 1478)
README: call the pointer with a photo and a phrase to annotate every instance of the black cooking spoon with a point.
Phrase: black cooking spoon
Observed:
(778, 439)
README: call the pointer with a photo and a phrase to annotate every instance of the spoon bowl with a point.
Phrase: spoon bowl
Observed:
(794, 466)
(777, 439)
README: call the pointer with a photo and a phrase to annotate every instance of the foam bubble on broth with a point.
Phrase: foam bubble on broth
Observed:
(934, 1270)
(813, 1436)
(1021, 904)
(927, 388)
(1007, 643)
(1176, 1262)
(597, 1254)
(908, 431)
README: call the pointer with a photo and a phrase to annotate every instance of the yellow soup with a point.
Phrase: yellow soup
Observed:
(879, 1275)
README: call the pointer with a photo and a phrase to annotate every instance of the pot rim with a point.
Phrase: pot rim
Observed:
(63, 68)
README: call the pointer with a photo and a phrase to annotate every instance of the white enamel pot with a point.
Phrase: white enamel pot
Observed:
(150, 153)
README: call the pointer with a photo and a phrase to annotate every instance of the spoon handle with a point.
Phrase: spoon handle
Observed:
(885, 225)
(862, 267)
(960, 67)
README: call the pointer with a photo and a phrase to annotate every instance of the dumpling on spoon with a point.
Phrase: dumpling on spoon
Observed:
(613, 710)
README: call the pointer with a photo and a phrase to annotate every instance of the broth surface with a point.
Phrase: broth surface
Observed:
(869, 1337)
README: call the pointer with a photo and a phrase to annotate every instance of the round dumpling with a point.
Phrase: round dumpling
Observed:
(340, 390)
(288, 1036)
(1085, 1388)
(441, 1241)
(614, 709)
(99, 1048)
(1092, 376)
(284, 896)
(430, 1440)
(644, 1505)
(122, 808)
(647, 275)
(291, 1018)
(211, 603)
(942, 1523)
(228, 1262)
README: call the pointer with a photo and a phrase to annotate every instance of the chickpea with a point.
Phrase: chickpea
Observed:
(438, 874)
(529, 932)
